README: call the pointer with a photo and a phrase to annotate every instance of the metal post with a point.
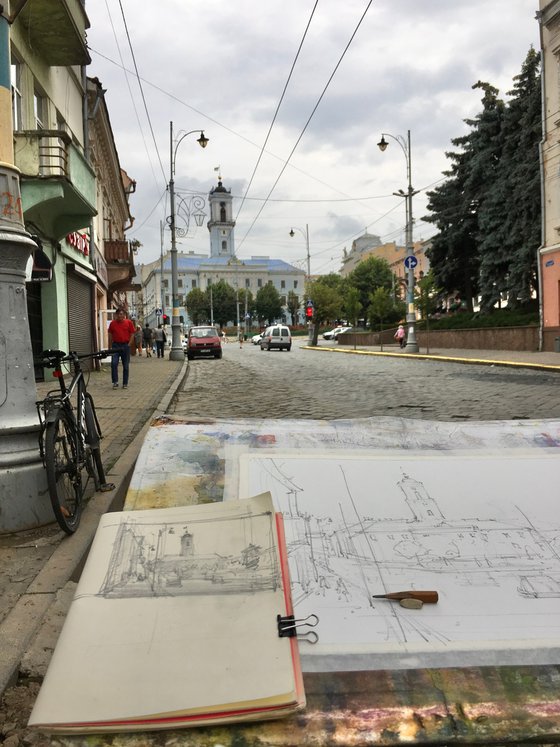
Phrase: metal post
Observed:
(176, 353)
(308, 256)
(161, 287)
(411, 343)
(211, 306)
(22, 477)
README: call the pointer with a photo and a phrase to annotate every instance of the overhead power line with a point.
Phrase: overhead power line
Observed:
(309, 119)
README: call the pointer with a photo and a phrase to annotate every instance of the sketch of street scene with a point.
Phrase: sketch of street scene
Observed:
(151, 559)
(482, 530)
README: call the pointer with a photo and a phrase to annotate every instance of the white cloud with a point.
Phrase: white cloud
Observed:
(222, 66)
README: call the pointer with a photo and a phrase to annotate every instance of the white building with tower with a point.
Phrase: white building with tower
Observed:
(202, 271)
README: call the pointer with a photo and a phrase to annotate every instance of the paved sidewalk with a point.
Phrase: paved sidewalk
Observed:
(35, 566)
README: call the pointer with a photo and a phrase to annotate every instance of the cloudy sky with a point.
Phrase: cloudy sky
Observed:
(363, 67)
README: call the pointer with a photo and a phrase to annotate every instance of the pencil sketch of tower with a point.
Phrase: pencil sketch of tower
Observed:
(422, 506)
(187, 544)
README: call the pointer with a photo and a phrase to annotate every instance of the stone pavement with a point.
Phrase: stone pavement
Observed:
(37, 568)
(36, 565)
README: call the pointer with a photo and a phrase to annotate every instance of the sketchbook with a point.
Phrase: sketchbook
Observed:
(174, 624)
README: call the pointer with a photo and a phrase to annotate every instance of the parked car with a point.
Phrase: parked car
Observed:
(255, 339)
(341, 331)
(333, 333)
(203, 342)
(276, 336)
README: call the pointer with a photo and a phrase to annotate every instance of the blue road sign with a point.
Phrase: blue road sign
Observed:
(410, 262)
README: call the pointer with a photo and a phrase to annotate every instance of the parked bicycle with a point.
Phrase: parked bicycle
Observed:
(70, 438)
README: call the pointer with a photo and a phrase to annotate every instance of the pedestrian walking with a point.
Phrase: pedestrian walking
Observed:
(400, 336)
(160, 339)
(148, 338)
(138, 339)
(121, 336)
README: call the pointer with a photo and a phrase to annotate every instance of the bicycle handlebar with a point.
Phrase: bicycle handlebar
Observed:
(53, 358)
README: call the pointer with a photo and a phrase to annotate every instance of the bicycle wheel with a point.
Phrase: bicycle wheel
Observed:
(93, 439)
(64, 478)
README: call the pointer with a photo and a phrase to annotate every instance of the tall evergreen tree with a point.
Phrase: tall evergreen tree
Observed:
(488, 210)
(523, 126)
(489, 192)
(453, 256)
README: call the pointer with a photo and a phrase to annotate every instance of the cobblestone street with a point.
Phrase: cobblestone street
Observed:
(248, 382)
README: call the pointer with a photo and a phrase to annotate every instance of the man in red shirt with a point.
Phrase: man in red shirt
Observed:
(121, 332)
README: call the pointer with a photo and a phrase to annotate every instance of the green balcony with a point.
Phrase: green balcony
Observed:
(57, 184)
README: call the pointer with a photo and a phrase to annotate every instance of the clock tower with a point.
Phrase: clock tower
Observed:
(221, 223)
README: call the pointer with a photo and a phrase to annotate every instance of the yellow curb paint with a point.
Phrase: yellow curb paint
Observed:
(449, 359)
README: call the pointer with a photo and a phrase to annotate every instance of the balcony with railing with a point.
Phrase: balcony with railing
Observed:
(119, 256)
(57, 184)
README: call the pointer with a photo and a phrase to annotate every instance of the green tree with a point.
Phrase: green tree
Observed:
(198, 307)
(352, 306)
(367, 276)
(327, 304)
(380, 308)
(522, 221)
(223, 299)
(267, 304)
(293, 306)
(488, 210)
(426, 295)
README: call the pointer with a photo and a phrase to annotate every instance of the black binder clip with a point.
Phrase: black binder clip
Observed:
(289, 627)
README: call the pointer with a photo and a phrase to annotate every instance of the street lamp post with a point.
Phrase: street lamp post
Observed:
(411, 343)
(176, 353)
(305, 234)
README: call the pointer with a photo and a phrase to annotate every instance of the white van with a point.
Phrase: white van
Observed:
(276, 336)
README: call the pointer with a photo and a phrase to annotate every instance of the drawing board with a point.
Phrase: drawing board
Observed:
(481, 528)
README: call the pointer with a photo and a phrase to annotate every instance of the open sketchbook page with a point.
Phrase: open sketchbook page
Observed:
(175, 618)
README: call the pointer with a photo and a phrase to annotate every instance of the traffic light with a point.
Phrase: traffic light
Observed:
(165, 319)
(309, 312)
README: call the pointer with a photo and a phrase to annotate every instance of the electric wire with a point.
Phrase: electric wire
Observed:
(277, 108)
(308, 120)
(126, 74)
(141, 89)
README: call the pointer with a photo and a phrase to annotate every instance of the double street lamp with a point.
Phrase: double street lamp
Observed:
(410, 260)
(176, 353)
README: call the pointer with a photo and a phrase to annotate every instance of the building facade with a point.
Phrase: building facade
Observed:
(549, 252)
(72, 186)
(202, 271)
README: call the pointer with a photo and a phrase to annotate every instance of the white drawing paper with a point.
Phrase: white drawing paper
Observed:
(481, 528)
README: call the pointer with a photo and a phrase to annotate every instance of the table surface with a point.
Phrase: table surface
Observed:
(463, 705)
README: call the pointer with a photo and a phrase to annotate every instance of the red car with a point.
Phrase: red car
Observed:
(203, 342)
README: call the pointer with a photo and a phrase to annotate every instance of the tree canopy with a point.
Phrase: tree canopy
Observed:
(487, 211)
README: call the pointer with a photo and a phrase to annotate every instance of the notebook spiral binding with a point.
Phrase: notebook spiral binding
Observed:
(289, 627)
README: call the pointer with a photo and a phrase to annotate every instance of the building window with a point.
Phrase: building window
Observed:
(247, 282)
(40, 109)
(282, 283)
(15, 75)
(167, 304)
(224, 246)
(295, 284)
(180, 282)
(259, 283)
(283, 300)
(223, 212)
(193, 283)
(166, 283)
